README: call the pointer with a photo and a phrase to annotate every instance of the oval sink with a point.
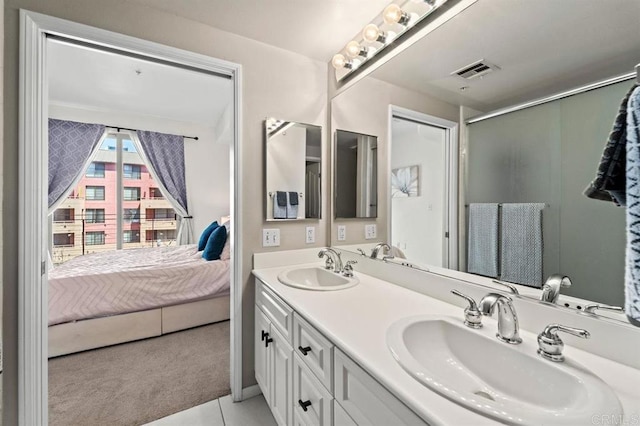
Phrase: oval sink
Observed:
(501, 381)
(316, 278)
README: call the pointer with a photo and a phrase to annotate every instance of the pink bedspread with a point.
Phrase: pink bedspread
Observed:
(116, 282)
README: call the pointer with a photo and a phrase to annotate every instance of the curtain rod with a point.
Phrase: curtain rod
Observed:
(135, 130)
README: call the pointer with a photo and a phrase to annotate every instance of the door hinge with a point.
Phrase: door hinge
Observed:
(43, 268)
(446, 234)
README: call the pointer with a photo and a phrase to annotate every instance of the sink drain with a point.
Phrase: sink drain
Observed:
(484, 395)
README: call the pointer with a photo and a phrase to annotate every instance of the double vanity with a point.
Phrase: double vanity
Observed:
(375, 352)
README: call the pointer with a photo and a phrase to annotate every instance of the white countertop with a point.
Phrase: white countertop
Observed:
(356, 321)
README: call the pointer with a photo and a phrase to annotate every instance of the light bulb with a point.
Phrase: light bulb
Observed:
(354, 49)
(339, 61)
(393, 14)
(372, 33)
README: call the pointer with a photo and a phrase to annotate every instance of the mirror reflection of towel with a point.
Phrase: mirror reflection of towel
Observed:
(280, 205)
(292, 206)
(483, 239)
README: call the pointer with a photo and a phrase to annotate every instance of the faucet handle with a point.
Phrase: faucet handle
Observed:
(510, 286)
(590, 309)
(549, 343)
(347, 271)
(472, 316)
(362, 253)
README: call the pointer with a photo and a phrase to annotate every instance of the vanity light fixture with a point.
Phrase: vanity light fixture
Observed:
(393, 21)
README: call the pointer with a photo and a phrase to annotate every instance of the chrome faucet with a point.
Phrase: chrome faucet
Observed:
(332, 254)
(552, 286)
(472, 316)
(376, 249)
(549, 343)
(590, 309)
(508, 330)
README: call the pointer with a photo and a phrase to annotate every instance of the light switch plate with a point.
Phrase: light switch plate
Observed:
(270, 237)
(370, 231)
(310, 234)
(342, 232)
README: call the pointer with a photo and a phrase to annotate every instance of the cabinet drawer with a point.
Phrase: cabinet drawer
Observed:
(319, 351)
(365, 400)
(340, 417)
(278, 312)
(312, 403)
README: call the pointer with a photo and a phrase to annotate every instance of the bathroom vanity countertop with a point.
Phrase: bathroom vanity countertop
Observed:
(356, 321)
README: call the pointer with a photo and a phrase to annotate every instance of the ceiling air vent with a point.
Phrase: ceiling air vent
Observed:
(476, 69)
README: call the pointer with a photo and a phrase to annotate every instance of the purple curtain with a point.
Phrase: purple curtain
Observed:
(166, 154)
(70, 146)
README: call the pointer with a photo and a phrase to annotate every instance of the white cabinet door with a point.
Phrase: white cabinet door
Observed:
(311, 400)
(260, 351)
(280, 375)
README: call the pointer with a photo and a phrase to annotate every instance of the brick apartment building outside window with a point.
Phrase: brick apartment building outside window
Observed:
(94, 238)
(155, 194)
(94, 193)
(154, 235)
(131, 193)
(94, 215)
(95, 170)
(131, 171)
(131, 215)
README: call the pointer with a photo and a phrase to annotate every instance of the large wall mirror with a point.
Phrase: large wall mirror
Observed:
(293, 165)
(356, 175)
(516, 157)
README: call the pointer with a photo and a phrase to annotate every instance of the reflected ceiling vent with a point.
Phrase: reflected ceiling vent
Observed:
(476, 69)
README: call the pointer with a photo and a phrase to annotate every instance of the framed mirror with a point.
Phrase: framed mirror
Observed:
(532, 132)
(355, 175)
(293, 165)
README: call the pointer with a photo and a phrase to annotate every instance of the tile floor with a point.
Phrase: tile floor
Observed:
(222, 412)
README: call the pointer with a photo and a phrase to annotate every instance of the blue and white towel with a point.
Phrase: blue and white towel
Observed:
(521, 249)
(482, 256)
(280, 205)
(292, 205)
(632, 270)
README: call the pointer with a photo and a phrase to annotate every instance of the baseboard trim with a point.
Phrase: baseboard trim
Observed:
(251, 391)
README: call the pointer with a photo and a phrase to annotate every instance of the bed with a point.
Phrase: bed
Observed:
(114, 297)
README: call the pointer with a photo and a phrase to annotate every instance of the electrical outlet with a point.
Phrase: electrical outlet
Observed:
(342, 232)
(370, 231)
(310, 234)
(270, 237)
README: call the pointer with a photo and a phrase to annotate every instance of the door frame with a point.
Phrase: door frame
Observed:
(450, 243)
(33, 181)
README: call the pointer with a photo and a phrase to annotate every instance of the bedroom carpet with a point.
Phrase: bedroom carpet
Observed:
(135, 383)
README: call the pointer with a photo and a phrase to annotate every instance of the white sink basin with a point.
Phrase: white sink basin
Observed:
(511, 384)
(316, 278)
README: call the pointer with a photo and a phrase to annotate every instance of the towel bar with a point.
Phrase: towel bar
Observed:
(273, 194)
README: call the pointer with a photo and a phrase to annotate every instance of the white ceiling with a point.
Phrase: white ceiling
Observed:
(314, 28)
(99, 80)
(542, 46)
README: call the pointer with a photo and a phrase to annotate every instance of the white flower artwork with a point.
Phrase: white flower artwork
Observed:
(404, 182)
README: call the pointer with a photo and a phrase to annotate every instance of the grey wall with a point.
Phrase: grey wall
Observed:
(550, 153)
(269, 91)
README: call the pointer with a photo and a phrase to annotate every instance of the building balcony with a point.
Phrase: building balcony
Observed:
(155, 203)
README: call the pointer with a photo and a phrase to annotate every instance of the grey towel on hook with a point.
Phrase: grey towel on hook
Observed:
(521, 250)
(292, 209)
(280, 205)
(483, 239)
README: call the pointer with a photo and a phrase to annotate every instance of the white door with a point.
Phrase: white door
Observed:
(261, 358)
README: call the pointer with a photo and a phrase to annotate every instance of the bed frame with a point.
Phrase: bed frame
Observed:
(95, 333)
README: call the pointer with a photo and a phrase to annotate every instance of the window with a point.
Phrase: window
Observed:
(94, 238)
(163, 214)
(131, 171)
(94, 215)
(63, 240)
(130, 236)
(95, 193)
(63, 215)
(131, 193)
(131, 215)
(163, 235)
(95, 170)
(155, 194)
